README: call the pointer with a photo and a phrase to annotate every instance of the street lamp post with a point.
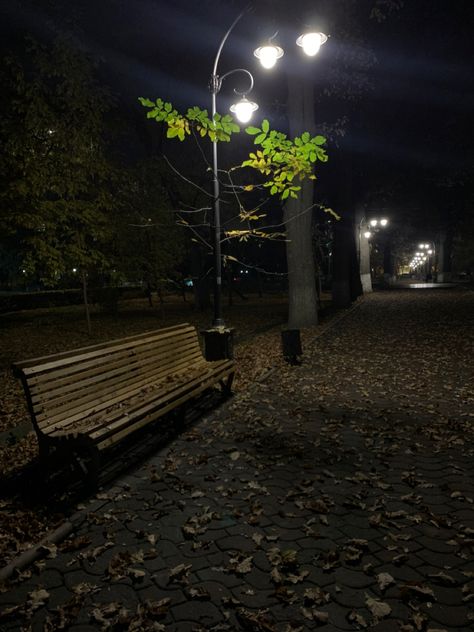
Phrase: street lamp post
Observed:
(366, 230)
(243, 111)
(268, 54)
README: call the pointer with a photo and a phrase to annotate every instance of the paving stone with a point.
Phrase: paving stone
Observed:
(387, 625)
(220, 576)
(439, 560)
(202, 612)
(454, 616)
(118, 592)
(154, 593)
(350, 597)
(353, 578)
(57, 597)
(236, 543)
(435, 545)
(338, 616)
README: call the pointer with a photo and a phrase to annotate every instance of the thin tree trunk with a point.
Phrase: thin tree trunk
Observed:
(341, 287)
(86, 302)
(302, 296)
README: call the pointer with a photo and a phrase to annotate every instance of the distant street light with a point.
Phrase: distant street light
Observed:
(364, 249)
(423, 258)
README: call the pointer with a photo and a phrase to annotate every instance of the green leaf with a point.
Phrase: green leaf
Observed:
(319, 140)
(168, 107)
(146, 102)
(305, 137)
(285, 194)
(265, 126)
(253, 130)
(172, 132)
(259, 138)
(152, 113)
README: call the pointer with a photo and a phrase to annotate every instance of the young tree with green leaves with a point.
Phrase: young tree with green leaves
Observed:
(284, 167)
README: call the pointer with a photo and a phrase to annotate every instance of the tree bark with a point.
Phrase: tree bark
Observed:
(298, 215)
(444, 256)
(86, 302)
(341, 285)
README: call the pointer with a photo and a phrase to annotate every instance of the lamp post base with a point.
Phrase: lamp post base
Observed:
(218, 343)
(291, 346)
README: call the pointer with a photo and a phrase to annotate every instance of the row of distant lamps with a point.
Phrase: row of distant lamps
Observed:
(374, 223)
(268, 55)
(421, 256)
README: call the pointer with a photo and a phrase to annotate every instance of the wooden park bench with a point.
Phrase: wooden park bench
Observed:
(89, 399)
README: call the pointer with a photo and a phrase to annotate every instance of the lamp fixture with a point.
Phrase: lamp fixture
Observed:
(268, 54)
(311, 42)
(244, 109)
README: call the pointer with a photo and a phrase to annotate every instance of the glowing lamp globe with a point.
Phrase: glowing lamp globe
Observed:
(311, 42)
(367, 234)
(268, 55)
(244, 109)
(383, 222)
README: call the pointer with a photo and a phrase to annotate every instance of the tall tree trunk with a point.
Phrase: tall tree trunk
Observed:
(303, 304)
(444, 256)
(346, 285)
(341, 285)
(388, 268)
(363, 250)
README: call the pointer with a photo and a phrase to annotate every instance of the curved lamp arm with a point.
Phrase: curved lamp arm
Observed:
(231, 72)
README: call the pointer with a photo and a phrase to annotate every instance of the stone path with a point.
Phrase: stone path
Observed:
(337, 495)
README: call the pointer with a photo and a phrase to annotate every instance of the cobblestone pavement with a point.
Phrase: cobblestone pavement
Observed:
(336, 495)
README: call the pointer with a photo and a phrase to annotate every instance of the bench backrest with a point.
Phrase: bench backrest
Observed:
(77, 383)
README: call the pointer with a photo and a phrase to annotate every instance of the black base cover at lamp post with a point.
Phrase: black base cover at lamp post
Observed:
(218, 344)
(291, 345)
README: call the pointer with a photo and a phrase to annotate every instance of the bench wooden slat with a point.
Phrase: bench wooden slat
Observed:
(136, 365)
(53, 371)
(25, 366)
(101, 399)
(100, 425)
(156, 412)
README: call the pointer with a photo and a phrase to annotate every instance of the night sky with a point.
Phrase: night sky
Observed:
(413, 121)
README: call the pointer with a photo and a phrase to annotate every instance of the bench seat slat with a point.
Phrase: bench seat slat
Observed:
(139, 420)
(100, 402)
(95, 425)
(154, 408)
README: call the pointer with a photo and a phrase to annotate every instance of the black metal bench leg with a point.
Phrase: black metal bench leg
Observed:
(87, 460)
(226, 385)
